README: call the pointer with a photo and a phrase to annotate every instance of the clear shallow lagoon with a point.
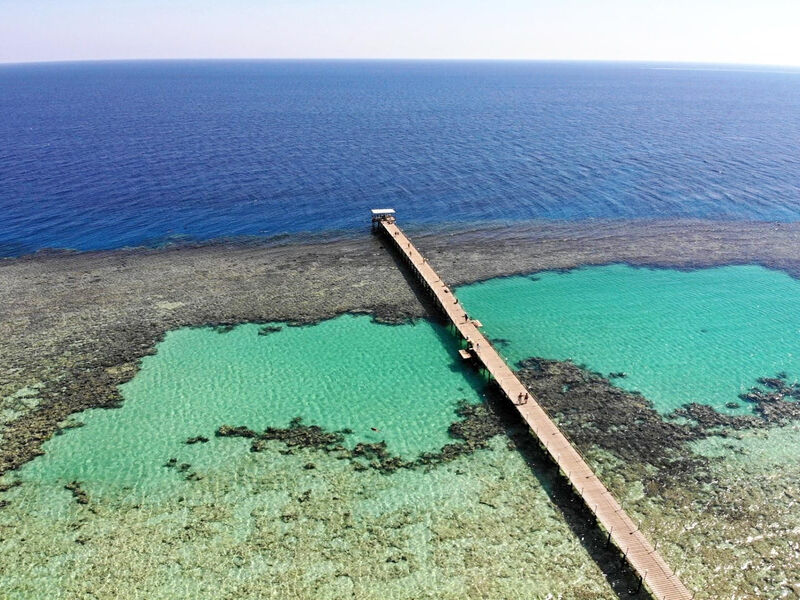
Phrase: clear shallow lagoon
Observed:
(701, 336)
(261, 524)
(398, 384)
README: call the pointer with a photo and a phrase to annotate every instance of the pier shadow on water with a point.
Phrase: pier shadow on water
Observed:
(620, 577)
(419, 291)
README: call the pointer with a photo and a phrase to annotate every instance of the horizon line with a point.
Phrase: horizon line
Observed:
(402, 59)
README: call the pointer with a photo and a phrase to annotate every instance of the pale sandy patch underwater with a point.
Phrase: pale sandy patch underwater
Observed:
(263, 523)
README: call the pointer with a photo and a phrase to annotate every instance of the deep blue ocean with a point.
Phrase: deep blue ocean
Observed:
(105, 155)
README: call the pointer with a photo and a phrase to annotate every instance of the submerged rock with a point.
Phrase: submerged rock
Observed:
(69, 425)
(709, 421)
(776, 405)
(4, 487)
(229, 431)
(81, 497)
(199, 439)
(379, 458)
(258, 445)
(267, 329)
(224, 328)
(306, 436)
(776, 383)
(295, 435)
(476, 425)
(595, 413)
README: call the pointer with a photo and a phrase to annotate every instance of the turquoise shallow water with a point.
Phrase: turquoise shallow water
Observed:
(702, 336)
(400, 385)
(258, 525)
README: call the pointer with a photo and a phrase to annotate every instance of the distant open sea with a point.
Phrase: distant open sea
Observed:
(107, 155)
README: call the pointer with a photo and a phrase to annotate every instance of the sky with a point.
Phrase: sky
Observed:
(716, 31)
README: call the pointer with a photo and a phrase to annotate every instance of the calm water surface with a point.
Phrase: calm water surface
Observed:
(702, 336)
(106, 155)
(400, 385)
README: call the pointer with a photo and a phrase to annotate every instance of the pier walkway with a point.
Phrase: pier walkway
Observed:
(643, 558)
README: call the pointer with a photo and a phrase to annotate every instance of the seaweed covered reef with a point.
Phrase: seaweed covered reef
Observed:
(775, 402)
(477, 424)
(725, 526)
(593, 412)
(75, 325)
(597, 414)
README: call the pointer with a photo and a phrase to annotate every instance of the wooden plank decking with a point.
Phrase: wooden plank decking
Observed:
(643, 558)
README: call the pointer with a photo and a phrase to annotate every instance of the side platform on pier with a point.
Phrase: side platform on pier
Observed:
(643, 558)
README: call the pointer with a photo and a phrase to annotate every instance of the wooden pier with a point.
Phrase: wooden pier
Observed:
(646, 562)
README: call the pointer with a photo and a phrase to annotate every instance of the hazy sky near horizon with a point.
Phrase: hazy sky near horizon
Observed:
(732, 31)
